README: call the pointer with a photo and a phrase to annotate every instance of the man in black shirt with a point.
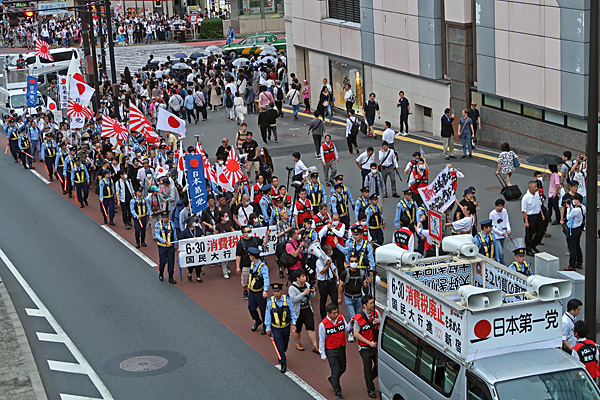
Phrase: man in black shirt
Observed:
(242, 255)
(250, 147)
(225, 148)
(473, 113)
(272, 115)
(352, 281)
(132, 172)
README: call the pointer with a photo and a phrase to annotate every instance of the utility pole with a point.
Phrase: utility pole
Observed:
(111, 52)
(96, 98)
(591, 246)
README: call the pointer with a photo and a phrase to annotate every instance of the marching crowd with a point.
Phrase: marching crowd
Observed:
(138, 179)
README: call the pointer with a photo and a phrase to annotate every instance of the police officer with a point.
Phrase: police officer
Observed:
(315, 192)
(258, 285)
(366, 330)
(13, 139)
(346, 194)
(362, 202)
(141, 211)
(406, 206)
(48, 155)
(80, 178)
(339, 203)
(375, 219)
(276, 213)
(277, 321)
(166, 239)
(520, 265)
(359, 247)
(68, 168)
(485, 241)
(107, 197)
(266, 203)
(24, 143)
(59, 163)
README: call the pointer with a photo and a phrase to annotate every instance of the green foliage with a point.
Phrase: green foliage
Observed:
(211, 28)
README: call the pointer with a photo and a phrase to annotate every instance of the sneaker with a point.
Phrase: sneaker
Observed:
(463, 157)
(245, 295)
(226, 276)
(404, 134)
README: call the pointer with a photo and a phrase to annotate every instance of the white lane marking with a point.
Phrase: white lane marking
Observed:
(50, 337)
(46, 181)
(89, 371)
(129, 246)
(73, 397)
(61, 366)
(34, 312)
(293, 129)
(305, 386)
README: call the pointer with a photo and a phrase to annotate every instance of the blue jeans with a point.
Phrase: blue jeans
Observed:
(327, 113)
(35, 147)
(466, 143)
(499, 249)
(353, 306)
(149, 38)
(296, 109)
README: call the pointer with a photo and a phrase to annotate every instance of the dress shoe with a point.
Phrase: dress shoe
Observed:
(283, 368)
(127, 227)
(569, 269)
(173, 281)
(81, 206)
(111, 223)
(579, 266)
(256, 325)
(144, 244)
(161, 277)
(315, 350)
(70, 195)
(190, 277)
(198, 280)
(264, 331)
(51, 179)
(86, 203)
(339, 397)
(396, 195)
(137, 245)
(372, 394)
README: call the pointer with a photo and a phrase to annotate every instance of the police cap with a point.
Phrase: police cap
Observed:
(365, 189)
(485, 223)
(339, 177)
(254, 251)
(164, 214)
(374, 196)
(276, 286)
(357, 229)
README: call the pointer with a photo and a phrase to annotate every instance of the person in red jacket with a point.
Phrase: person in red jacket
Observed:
(585, 350)
(332, 345)
(366, 330)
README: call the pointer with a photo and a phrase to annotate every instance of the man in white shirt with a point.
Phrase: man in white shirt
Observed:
(299, 167)
(575, 221)
(500, 228)
(352, 128)
(568, 324)
(389, 166)
(243, 211)
(364, 160)
(464, 225)
(531, 208)
(388, 134)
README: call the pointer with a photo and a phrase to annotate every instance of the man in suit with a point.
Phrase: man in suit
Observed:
(448, 133)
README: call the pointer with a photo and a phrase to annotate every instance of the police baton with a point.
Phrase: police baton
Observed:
(101, 202)
(6, 150)
(140, 221)
(275, 347)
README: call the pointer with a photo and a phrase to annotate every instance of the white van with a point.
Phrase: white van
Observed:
(15, 99)
(468, 328)
(62, 58)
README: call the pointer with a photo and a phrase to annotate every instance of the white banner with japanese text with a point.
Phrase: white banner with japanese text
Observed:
(439, 194)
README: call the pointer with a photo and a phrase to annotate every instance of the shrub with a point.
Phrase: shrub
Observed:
(211, 28)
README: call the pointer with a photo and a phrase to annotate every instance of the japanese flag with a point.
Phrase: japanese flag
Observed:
(74, 69)
(79, 91)
(170, 122)
(52, 105)
(161, 171)
(180, 166)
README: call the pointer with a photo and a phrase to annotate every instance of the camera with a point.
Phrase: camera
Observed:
(289, 168)
(500, 220)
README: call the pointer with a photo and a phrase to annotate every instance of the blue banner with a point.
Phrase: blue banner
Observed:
(196, 183)
(31, 95)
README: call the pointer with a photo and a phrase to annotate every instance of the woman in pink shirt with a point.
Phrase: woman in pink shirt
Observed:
(306, 96)
(554, 193)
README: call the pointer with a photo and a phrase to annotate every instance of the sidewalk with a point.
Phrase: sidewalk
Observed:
(19, 378)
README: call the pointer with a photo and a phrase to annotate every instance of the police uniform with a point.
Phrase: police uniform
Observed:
(24, 143)
(346, 196)
(13, 140)
(165, 235)
(258, 282)
(339, 204)
(141, 211)
(278, 321)
(485, 242)
(362, 250)
(59, 163)
(266, 203)
(80, 178)
(375, 220)
(67, 169)
(316, 193)
(49, 150)
(276, 213)
(408, 208)
(516, 266)
(362, 202)
(107, 197)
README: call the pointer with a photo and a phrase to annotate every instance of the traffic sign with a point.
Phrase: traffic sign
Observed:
(194, 19)
(435, 226)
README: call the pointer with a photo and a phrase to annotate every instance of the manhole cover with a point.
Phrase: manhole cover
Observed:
(494, 189)
(143, 363)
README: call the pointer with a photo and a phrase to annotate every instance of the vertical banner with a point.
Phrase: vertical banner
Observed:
(196, 182)
(32, 83)
(63, 92)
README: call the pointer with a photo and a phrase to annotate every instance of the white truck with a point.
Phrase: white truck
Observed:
(465, 327)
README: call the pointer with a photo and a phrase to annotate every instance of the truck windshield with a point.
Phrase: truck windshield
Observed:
(19, 100)
(573, 384)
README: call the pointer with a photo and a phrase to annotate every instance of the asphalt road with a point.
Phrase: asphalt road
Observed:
(111, 304)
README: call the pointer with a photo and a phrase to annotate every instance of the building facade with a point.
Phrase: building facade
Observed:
(523, 62)
(257, 16)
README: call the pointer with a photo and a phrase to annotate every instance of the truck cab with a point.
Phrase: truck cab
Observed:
(463, 326)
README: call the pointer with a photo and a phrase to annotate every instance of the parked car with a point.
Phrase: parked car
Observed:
(253, 44)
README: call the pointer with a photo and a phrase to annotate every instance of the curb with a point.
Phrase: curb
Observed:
(34, 376)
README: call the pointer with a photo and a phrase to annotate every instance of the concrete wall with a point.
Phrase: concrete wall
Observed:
(252, 25)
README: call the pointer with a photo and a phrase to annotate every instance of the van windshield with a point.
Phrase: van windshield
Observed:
(572, 384)
(19, 101)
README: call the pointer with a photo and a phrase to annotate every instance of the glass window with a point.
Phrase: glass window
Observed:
(249, 41)
(512, 106)
(560, 385)
(248, 7)
(554, 117)
(273, 6)
(341, 74)
(532, 111)
(492, 101)
(399, 344)
(577, 123)
(477, 390)
(20, 100)
(437, 370)
(345, 10)
(426, 364)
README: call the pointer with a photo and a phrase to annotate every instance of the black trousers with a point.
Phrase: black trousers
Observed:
(126, 212)
(166, 257)
(349, 106)
(198, 269)
(307, 104)
(255, 300)
(553, 206)
(108, 206)
(49, 161)
(68, 183)
(25, 159)
(317, 140)
(263, 133)
(535, 232)
(279, 105)
(403, 123)
(337, 364)
(201, 110)
(351, 142)
(369, 359)
(82, 191)
(326, 288)
(377, 235)
(338, 257)
(574, 245)
(281, 337)
(140, 232)
(14, 149)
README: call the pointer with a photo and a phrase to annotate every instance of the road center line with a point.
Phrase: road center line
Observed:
(129, 246)
(82, 362)
(46, 181)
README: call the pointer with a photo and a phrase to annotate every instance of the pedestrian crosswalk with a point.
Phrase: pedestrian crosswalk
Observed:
(136, 56)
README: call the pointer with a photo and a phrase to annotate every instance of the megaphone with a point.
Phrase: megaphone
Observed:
(461, 245)
(315, 250)
(392, 254)
(479, 299)
(548, 289)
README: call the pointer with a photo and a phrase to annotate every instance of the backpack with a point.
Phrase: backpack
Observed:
(228, 101)
(279, 94)
(355, 126)
(284, 258)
